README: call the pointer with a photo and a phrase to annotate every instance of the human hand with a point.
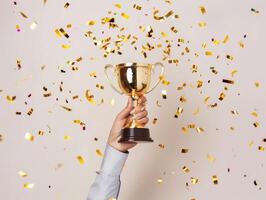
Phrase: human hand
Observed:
(123, 118)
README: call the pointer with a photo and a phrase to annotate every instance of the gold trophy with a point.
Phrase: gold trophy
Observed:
(134, 80)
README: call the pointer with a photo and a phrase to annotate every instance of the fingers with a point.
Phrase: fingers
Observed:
(143, 121)
(141, 105)
(126, 111)
(140, 115)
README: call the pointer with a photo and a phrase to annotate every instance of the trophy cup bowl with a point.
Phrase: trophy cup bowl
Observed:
(134, 80)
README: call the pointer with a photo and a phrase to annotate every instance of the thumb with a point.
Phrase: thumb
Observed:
(126, 111)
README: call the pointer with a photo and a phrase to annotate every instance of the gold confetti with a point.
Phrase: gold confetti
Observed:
(118, 5)
(164, 81)
(228, 81)
(30, 111)
(185, 169)
(254, 114)
(164, 94)
(1, 137)
(211, 158)
(202, 24)
(256, 124)
(99, 153)
(184, 150)
(202, 9)
(18, 28)
(261, 148)
(29, 137)
(65, 46)
(194, 180)
(28, 185)
(23, 15)
(257, 84)
(233, 72)
(229, 57)
(154, 121)
(208, 53)
(226, 38)
(222, 96)
(160, 180)
(93, 74)
(22, 173)
(161, 146)
(215, 179)
(196, 111)
(241, 44)
(250, 144)
(234, 112)
(66, 108)
(89, 97)
(66, 5)
(91, 23)
(99, 86)
(254, 10)
(11, 99)
(164, 34)
(80, 159)
(58, 33)
(33, 25)
(124, 15)
(137, 7)
(168, 14)
(67, 137)
(174, 29)
(199, 129)
(179, 110)
(40, 132)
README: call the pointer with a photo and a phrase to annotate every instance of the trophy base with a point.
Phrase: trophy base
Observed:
(137, 135)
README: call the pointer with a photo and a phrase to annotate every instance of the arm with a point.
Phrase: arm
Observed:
(107, 182)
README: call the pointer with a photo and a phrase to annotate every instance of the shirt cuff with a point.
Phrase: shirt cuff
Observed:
(113, 161)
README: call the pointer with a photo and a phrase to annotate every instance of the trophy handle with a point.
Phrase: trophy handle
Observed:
(161, 74)
(109, 80)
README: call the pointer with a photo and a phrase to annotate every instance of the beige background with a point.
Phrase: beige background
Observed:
(147, 162)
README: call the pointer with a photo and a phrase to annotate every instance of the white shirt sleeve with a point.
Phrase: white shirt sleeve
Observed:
(107, 182)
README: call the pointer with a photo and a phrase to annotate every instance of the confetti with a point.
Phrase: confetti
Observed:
(202, 24)
(222, 96)
(22, 174)
(256, 124)
(194, 180)
(199, 129)
(233, 72)
(261, 148)
(1, 137)
(228, 81)
(118, 5)
(91, 23)
(202, 10)
(29, 137)
(137, 7)
(28, 185)
(208, 53)
(124, 15)
(11, 99)
(179, 110)
(185, 169)
(33, 25)
(66, 108)
(65, 46)
(229, 57)
(160, 180)
(18, 28)
(164, 94)
(254, 114)
(226, 38)
(168, 14)
(89, 97)
(66, 5)
(67, 137)
(80, 159)
(161, 146)
(211, 158)
(30, 111)
(254, 10)
(257, 84)
(154, 121)
(184, 150)
(215, 179)
(99, 153)
(23, 15)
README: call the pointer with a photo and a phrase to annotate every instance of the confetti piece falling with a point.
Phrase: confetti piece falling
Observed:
(161, 146)
(65, 46)
(179, 110)
(202, 10)
(211, 158)
(215, 179)
(28, 185)
(199, 129)
(184, 150)
(11, 99)
(29, 137)
(137, 7)
(202, 24)
(257, 84)
(160, 180)
(185, 169)
(208, 53)
(261, 148)
(1, 137)
(99, 153)
(89, 97)
(228, 81)
(194, 180)
(23, 15)
(124, 15)
(22, 174)
(156, 17)
(18, 28)
(164, 94)
(254, 10)
(33, 25)
(66, 5)
(91, 23)
(226, 38)
(67, 137)
(81, 160)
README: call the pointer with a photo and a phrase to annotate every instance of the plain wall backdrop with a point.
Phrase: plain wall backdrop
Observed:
(229, 145)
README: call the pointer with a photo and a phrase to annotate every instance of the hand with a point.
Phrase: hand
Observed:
(123, 118)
